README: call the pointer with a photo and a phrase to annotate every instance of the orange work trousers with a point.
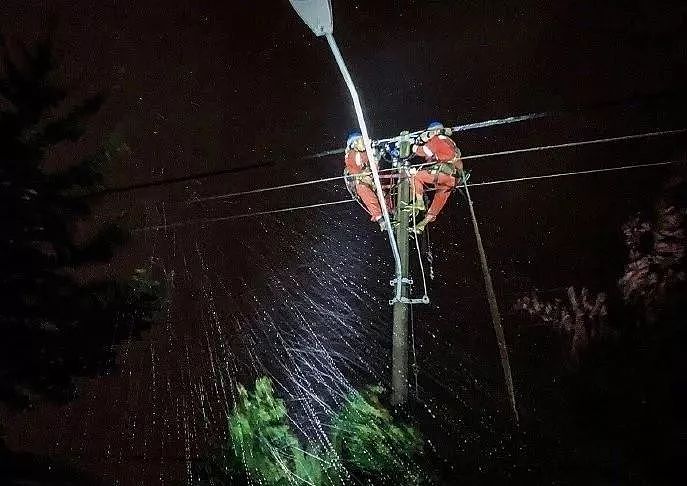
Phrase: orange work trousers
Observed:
(369, 197)
(443, 183)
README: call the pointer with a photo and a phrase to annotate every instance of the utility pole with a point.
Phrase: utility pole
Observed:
(399, 359)
(317, 14)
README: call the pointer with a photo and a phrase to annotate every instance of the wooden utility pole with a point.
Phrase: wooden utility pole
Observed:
(399, 361)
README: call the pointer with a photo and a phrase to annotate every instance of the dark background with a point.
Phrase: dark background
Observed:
(201, 86)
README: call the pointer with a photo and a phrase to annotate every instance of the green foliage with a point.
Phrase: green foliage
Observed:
(264, 442)
(368, 445)
(54, 326)
(369, 441)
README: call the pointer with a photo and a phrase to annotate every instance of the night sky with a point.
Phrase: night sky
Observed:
(201, 86)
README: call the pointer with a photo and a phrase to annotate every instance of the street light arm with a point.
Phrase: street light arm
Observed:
(371, 156)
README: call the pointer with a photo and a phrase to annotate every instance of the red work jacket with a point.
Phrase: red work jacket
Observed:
(357, 162)
(439, 148)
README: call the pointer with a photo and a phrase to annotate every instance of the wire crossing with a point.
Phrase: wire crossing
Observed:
(539, 148)
(458, 128)
(347, 201)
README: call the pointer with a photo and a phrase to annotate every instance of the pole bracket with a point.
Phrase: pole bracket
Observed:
(406, 300)
(404, 280)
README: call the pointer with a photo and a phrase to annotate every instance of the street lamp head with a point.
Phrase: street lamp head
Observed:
(317, 14)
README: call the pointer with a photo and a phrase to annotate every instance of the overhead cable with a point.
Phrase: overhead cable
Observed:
(539, 148)
(346, 201)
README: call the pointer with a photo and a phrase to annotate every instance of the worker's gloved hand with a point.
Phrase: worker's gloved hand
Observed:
(412, 171)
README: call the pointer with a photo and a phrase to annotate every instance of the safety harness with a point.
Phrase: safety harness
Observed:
(447, 167)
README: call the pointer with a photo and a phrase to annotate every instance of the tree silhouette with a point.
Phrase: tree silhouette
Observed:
(656, 271)
(616, 416)
(582, 319)
(54, 326)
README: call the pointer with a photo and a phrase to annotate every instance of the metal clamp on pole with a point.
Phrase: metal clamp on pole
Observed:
(423, 300)
(404, 280)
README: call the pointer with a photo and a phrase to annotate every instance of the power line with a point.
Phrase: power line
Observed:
(472, 126)
(580, 109)
(458, 128)
(574, 144)
(212, 173)
(579, 172)
(264, 189)
(175, 180)
(631, 100)
(345, 201)
(468, 157)
(239, 216)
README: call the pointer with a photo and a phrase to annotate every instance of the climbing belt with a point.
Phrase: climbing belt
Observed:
(350, 186)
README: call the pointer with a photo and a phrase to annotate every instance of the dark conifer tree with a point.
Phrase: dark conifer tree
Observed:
(54, 326)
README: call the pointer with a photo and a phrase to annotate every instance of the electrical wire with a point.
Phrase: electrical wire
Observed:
(578, 172)
(467, 157)
(472, 126)
(264, 189)
(262, 164)
(458, 128)
(345, 201)
(239, 216)
(579, 143)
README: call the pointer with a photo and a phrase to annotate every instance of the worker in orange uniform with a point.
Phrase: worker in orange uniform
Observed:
(443, 157)
(358, 168)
